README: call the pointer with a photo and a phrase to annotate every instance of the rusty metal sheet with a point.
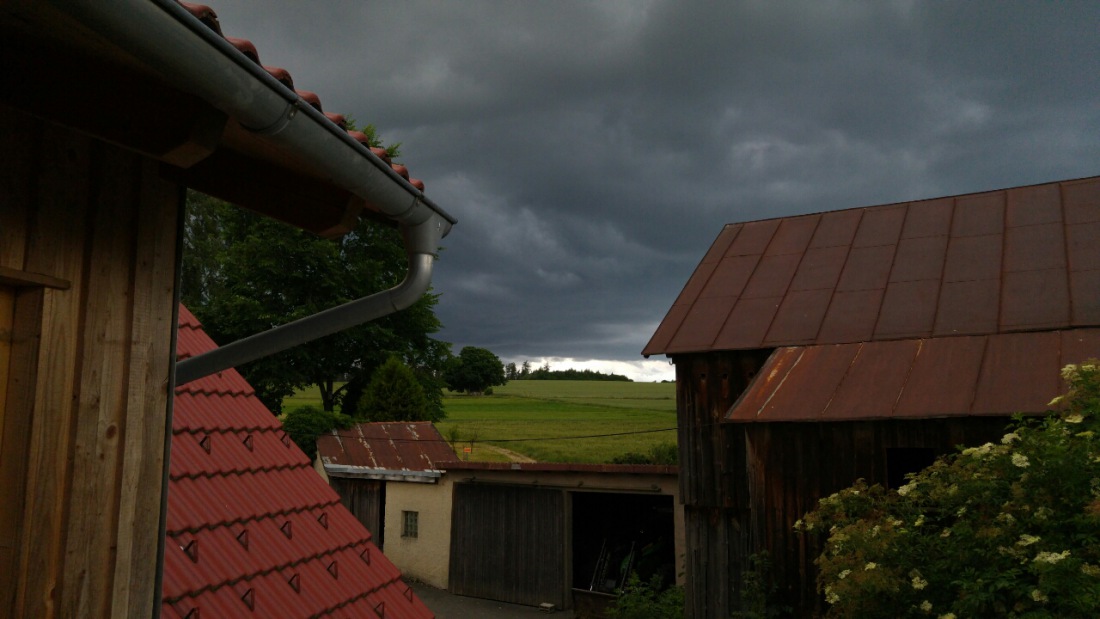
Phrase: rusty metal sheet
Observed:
(919, 258)
(973, 257)
(721, 244)
(1081, 200)
(836, 228)
(868, 268)
(979, 214)
(772, 276)
(770, 377)
(943, 378)
(702, 323)
(908, 309)
(1019, 373)
(1083, 246)
(1031, 248)
(1079, 345)
(928, 218)
(753, 238)
(872, 384)
(1085, 291)
(1035, 300)
(820, 268)
(968, 308)
(973, 268)
(799, 317)
(390, 446)
(810, 384)
(851, 317)
(794, 235)
(662, 337)
(880, 226)
(730, 276)
(1038, 204)
(748, 324)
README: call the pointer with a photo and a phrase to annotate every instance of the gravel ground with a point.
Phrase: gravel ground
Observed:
(446, 605)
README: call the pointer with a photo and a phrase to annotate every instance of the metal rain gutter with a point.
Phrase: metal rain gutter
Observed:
(197, 59)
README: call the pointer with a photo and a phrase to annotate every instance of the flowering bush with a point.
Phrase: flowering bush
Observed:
(1009, 529)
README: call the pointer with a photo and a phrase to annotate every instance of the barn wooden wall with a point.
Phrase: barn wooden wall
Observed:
(749, 483)
(90, 230)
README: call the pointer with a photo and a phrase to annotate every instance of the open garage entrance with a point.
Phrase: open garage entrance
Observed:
(615, 534)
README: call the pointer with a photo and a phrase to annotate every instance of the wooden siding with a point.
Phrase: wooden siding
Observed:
(102, 220)
(765, 476)
(509, 543)
(366, 500)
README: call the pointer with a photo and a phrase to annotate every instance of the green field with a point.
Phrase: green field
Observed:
(556, 421)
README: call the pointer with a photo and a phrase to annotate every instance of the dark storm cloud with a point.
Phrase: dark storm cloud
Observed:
(592, 151)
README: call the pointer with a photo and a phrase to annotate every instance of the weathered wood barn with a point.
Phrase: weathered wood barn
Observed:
(815, 350)
(109, 112)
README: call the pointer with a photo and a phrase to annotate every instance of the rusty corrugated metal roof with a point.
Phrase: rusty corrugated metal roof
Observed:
(252, 529)
(1016, 260)
(998, 374)
(386, 446)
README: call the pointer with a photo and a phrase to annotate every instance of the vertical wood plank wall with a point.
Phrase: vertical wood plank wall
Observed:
(102, 219)
(744, 485)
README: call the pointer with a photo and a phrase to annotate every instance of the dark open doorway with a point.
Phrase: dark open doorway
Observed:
(615, 534)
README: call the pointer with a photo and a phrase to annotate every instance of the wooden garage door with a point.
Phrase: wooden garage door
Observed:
(508, 543)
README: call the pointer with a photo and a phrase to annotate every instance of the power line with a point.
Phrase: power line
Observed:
(495, 440)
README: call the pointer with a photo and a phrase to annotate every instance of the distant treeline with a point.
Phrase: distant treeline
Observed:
(511, 372)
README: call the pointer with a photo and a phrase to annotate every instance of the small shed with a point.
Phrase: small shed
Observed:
(380, 470)
(814, 350)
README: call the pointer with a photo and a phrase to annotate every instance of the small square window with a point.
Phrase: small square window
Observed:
(410, 524)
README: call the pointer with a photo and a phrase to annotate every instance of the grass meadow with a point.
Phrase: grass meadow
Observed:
(555, 421)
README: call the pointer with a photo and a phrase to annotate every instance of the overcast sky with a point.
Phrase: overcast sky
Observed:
(592, 151)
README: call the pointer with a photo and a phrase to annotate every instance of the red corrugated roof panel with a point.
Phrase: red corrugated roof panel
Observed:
(999, 374)
(386, 446)
(995, 262)
(252, 529)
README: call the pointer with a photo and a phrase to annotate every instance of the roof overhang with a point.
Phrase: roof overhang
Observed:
(926, 378)
(362, 472)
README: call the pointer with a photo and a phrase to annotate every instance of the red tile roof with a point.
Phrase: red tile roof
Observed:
(252, 529)
(209, 18)
(999, 374)
(1021, 259)
(386, 446)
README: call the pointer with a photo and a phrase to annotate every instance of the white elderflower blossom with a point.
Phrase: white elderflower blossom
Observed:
(1027, 540)
(870, 566)
(1010, 438)
(831, 596)
(1051, 557)
(1038, 595)
(926, 606)
(947, 616)
(843, 575)
(1020, 460)
(1074, 418)
(919, 583)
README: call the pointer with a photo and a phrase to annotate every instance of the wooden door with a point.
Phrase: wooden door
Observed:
(508, 543)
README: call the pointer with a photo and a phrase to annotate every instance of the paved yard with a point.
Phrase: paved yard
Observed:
(446, 605)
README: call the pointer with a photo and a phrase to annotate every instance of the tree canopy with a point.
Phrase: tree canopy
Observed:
(474, 370)
(394, 394)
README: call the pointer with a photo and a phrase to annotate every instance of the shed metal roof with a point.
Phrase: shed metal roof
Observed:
(1021, 259)
(252, 529)
(385, 446)
(998, 374)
